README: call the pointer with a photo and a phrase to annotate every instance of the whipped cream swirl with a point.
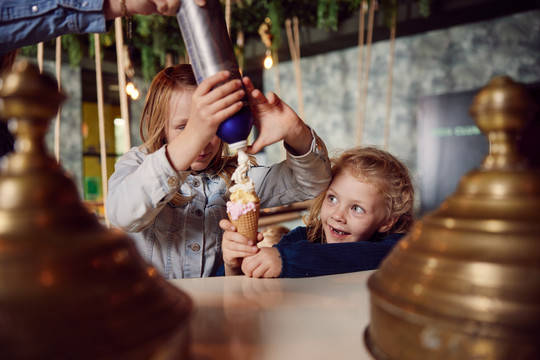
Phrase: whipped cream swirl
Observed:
(242, 182)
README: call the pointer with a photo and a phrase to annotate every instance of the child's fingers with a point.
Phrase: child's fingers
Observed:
(271, 273)
(259, 271)
(226, 113)
(226, 225)
(225, 90)
(228, 100)
(248, 84)
(257, 97)
(248, 266)
(225, 100)
(254, 148)
(207, 84)
(236, 241)
(272, 98)
(240, 244)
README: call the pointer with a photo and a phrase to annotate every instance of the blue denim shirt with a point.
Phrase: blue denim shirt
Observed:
(185, 241)
(26, 22)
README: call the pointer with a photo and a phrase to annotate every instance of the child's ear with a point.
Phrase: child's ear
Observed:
(387, 225)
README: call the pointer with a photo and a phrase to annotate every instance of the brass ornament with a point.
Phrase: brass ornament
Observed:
(69, 287)
(465, 284)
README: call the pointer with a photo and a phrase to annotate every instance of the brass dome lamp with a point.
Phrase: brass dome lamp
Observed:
(69, 287)
(465, 284)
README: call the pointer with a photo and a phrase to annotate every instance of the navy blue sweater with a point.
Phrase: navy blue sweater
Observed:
(301, 258)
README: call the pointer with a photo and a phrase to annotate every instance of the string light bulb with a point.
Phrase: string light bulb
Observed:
(267, 37)
(135, 94)
(268, 61)
(129, 88)
(132, 90)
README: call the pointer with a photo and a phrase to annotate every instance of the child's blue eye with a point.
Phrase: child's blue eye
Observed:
(358, 209)
(332, 199)
(181, 127)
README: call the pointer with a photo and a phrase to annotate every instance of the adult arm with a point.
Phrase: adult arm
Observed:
(300, 258)
(26, 22)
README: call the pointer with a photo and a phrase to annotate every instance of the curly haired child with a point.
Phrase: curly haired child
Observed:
(352, 226)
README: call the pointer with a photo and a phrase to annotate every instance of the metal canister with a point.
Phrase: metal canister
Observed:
(210, 50)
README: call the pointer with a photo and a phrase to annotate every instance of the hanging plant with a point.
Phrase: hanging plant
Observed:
(327, 14)
(74, 47)
(247, 15)
(156, 36)
(153, 38)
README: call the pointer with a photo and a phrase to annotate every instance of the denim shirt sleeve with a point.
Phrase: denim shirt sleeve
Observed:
(26, 22)
(141, 185)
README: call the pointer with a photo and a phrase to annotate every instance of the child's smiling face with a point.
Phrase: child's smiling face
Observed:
(352, 210)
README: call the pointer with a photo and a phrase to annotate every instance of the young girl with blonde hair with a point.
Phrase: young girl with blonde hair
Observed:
(170, 193)
(352, 226)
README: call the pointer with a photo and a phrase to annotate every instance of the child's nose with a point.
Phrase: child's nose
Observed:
(339, 215)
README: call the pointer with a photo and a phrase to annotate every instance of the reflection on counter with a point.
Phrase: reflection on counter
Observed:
(265, 319)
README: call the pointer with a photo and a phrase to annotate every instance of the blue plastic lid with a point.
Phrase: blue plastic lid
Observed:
(237, 127)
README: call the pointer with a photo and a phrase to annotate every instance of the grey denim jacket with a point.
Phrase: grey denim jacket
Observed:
(185, 241)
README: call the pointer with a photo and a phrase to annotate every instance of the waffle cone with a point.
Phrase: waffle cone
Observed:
(248, 224)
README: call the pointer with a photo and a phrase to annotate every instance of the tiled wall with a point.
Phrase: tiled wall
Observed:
(71, 140)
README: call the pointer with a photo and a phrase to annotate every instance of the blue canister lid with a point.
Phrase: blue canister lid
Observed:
(237, 127)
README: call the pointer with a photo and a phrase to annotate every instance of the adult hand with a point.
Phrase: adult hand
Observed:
(113, 8)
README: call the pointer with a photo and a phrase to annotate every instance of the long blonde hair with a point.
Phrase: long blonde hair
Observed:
(155, 119)
(382, 170)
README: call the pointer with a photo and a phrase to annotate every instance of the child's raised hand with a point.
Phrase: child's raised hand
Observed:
(276, 121)
(265, 264)
(235, 247)
(212, 103)
(209, 105)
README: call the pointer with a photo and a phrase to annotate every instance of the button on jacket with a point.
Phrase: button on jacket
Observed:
(185, 241)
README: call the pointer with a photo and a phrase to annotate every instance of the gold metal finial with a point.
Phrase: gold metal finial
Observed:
(465, 284)
(69, 287)
(501, 110)
(19, 88)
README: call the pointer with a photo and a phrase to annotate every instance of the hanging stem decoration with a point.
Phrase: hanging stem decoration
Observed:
(359, 117)
(228, 15)
(390, 79)
(58, 69)
(365, 76)
(121, 63)
(294, 47)
(101, 118)
(40, 57)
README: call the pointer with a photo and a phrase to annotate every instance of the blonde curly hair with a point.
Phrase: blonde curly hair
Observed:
(384, 171)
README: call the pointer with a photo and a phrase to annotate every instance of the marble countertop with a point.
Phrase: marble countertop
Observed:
(268, 319)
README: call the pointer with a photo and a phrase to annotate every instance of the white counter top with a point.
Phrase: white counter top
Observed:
(269, 319)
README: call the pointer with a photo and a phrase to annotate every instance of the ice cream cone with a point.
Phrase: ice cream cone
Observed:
(248, 223)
